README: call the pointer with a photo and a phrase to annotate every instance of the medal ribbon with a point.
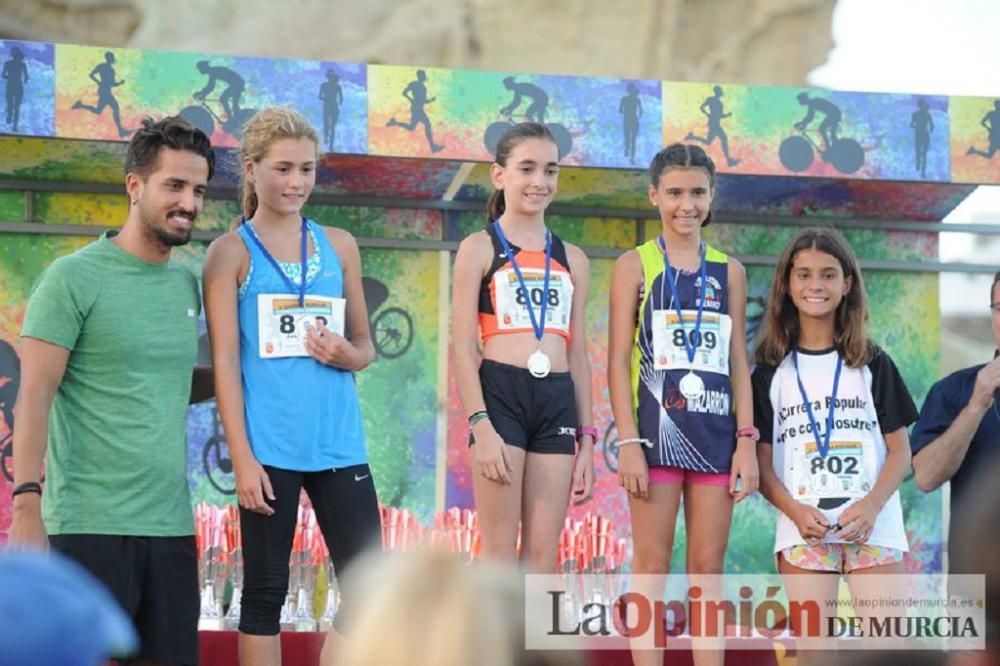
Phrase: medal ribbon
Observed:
(822, 446)
(291, 285)
(689, 345)
(538, 325)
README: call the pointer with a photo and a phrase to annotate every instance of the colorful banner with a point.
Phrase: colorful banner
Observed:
(786, 131)
(84, 92)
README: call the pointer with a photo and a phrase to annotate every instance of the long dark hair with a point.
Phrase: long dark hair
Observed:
(781, 330)
(682, 155)
(515, 135)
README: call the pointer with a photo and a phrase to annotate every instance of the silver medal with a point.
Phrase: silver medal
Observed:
(691, 385)
(539, 364)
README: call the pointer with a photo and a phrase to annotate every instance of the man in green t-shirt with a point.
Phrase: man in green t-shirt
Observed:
(109, 342)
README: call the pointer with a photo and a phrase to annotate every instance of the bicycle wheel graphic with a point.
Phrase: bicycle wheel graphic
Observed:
(392, 331)
(7, 458)
(564, 141)
(796, 154)
(218, 465)
(200, 118)
(493, 133)
(236, 124)
(610, 446)
(846, 155)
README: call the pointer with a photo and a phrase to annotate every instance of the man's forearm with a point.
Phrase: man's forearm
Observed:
(938, 461)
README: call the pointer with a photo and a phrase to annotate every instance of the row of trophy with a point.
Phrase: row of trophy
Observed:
(585, 546)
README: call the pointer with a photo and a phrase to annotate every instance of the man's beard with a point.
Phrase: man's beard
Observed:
(158, 234)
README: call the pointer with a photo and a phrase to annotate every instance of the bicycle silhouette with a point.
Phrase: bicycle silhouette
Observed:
(798, 152)
(564, 140)
(392, 329)
(202, 116)
(215, 458)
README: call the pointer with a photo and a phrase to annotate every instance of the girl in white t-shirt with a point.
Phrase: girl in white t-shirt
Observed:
(832, 410)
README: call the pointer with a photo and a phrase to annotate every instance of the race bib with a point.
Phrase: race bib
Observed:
(512, 299)
(283, 324)
(711, 342)
(842, 474)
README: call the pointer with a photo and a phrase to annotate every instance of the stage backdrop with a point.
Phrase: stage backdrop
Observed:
(421, 461)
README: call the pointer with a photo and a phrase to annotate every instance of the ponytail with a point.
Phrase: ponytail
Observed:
(495, 207)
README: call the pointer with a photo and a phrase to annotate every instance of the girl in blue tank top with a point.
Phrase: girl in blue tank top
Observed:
(289, 327)
(680, 381)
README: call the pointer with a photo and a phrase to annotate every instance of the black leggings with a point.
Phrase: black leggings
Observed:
(347, 514)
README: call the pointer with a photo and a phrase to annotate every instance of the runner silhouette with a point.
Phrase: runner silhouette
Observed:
(416, 93)
(991, 121)
(332, 96)
(230, 97)
(630, 107)
(831, 117)
(539, 100)
(15, 73)
(922, 124)
(104, 76)
(713, 110)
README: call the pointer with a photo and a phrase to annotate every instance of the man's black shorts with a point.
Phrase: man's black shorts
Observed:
(155, 579)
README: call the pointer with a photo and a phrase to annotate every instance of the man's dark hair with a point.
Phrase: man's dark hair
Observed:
(172, 132)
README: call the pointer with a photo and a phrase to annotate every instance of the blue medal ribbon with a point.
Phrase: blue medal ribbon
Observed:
(823, 446)
(291, 285)
(689, 346)
(538, 325)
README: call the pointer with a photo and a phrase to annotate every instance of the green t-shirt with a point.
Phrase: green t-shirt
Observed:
(117, 448)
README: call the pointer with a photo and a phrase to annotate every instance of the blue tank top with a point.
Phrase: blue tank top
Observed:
(699, 434)
(300, 415)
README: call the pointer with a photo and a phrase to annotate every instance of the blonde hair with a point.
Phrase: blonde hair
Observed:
(428, 608)
(266, 127)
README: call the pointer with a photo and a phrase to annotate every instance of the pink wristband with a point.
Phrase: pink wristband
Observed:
(586, 430)
(749, 431)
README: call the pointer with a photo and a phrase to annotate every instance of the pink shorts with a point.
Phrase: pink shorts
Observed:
(663, 474)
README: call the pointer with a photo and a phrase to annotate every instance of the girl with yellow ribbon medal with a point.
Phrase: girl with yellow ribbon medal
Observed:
(529, 401)
(833, 412)
(679, 378)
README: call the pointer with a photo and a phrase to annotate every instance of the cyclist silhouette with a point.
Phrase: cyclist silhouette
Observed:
(332, 96)
(539, 100)
(630, 107)
(922, 124)
(991, 121)
(831, 117)
(230, 97)
(416, 93)
(15, 73)
(713, 110)
(104, 76)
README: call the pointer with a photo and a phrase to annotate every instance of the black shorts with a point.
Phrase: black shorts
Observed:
(537, 415)
(155, 579)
